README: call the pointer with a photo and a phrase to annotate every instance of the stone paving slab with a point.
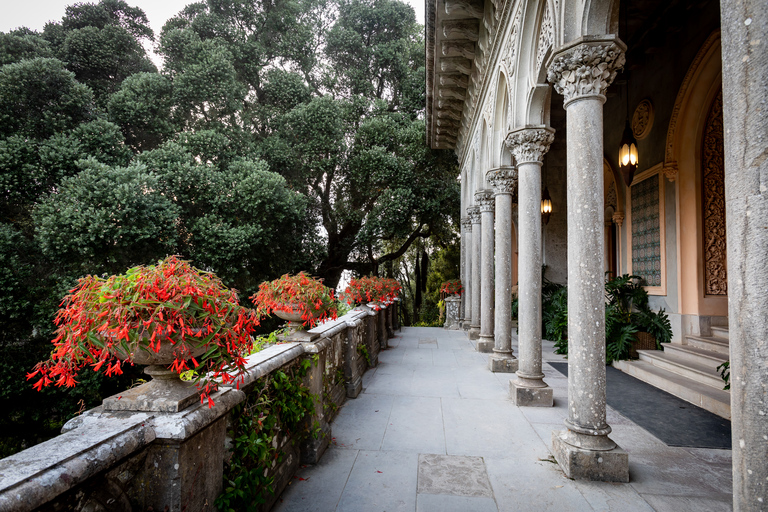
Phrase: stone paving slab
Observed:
(440, 404)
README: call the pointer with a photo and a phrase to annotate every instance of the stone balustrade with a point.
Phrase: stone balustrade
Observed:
(131, 460)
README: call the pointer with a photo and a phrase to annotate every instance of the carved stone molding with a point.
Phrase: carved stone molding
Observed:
(485, 200)
(454, 80)
(451, 114)
(503, 180)
(458, 48)
(546, 36)
(453, 92)
(456, 65)
(670, 165)
(670, 170)
(474, 214)
(642, 119)
(585, 68)
(471, 8)
(461, 29)
(510, 51)
(713, 207)
(618, 218)
(466, 223)
(530, 143)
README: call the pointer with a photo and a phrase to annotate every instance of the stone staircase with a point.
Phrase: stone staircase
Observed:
(687, 370)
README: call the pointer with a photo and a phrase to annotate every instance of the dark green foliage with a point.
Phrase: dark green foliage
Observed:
(40, 97)
(22, 44)
(106, 219)
(142, 109)
(554, 316)
(278, 404)
(725, 374)
(102, 44)
(626, 313)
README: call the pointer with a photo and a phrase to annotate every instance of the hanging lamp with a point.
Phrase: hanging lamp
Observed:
(546, 205)
(628, 158)
(628, 154)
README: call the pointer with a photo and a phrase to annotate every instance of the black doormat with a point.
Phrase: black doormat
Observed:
(671, 419)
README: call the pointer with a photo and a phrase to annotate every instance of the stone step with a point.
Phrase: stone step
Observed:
(705, 374)
(719, 331)
(695, 354)
(713, 400)
(711, 344)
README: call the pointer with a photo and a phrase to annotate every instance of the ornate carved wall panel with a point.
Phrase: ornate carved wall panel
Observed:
(713, 202)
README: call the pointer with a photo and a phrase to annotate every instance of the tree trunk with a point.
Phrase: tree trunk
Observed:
(417, 286)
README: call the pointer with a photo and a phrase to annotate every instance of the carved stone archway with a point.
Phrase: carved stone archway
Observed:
(685, 156)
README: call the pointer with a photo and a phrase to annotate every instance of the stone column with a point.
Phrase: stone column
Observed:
(581, 71)
(528, 145)
(466, 270)
(474, 277)
(504, 182)
(484, 199)
(745, 75)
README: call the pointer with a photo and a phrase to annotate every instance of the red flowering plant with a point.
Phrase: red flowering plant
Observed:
(296, 295)
(171, 306)
(452, 287)
(371, 289)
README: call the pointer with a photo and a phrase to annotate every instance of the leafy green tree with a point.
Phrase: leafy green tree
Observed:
(142, 108)
(106, 219)
(102, 44)
(22, 44)
(40, 97)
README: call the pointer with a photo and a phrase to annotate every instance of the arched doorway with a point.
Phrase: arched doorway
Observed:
(694, 147)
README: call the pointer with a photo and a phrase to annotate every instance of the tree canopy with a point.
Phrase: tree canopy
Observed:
(278, 136)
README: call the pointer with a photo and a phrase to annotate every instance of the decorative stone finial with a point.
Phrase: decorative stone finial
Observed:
(474, 214)
(503, 180)
(586, 67)
(530, 143)
(485, 201)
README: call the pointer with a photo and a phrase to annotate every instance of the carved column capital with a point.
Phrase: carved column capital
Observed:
(586, 67)
(670, 171)
(618, 218)
(503, 180)
(530, 143)
(466, 223)
(485, 201)
(474, 214)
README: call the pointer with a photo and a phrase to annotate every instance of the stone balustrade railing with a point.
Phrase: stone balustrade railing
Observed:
(132, 460)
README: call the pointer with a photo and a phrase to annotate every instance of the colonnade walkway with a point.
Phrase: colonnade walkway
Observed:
(433, 430)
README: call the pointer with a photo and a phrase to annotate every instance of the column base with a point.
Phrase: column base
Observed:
(354, 388)
(474, 332)
(314, 447)
(582, 464)
(503, 363)
(485, 344)
(524, 396)
(465, 325)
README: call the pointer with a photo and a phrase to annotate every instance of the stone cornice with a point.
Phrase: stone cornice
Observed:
(530, 143)
(586, 67)
(480, 92)
(485, 200)
(503, 179)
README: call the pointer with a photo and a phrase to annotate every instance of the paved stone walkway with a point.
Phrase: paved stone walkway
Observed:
(433, 430)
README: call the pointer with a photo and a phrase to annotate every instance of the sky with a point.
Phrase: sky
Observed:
(36, 13)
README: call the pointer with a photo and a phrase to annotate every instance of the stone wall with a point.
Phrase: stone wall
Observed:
(128, 460)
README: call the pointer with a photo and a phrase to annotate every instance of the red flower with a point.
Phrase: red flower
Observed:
(172, 301)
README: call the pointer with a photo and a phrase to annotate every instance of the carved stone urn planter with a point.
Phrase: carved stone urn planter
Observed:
(166, 392)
